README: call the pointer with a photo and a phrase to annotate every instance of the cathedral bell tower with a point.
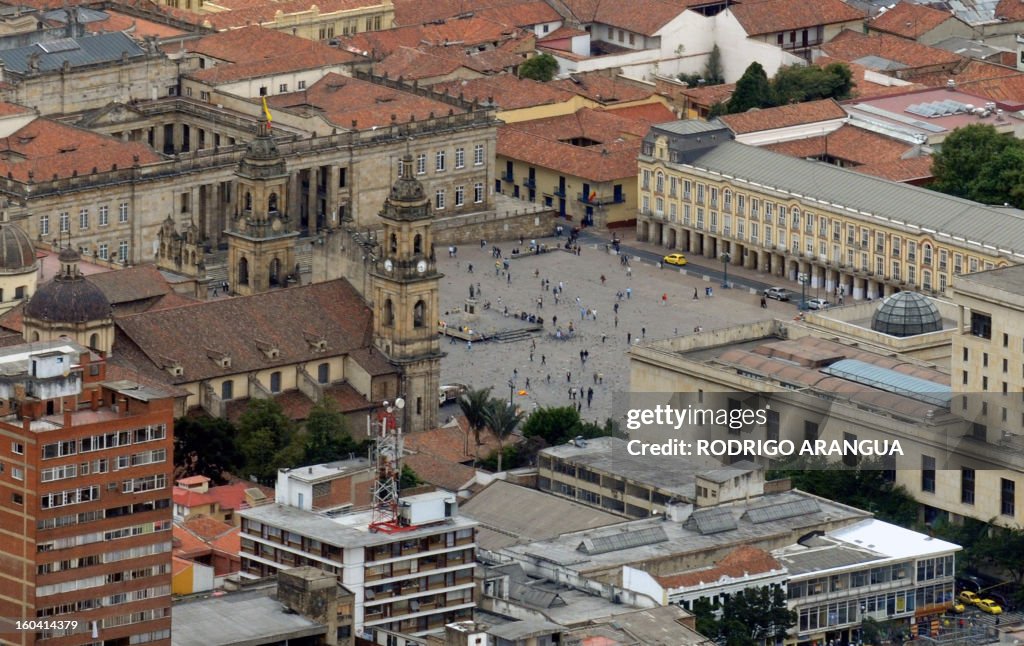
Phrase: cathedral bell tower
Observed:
(405, 284)
(261, 242)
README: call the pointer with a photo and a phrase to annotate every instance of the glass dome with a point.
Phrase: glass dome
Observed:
(906, 314)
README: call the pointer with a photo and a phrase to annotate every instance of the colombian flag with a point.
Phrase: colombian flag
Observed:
(266, 113)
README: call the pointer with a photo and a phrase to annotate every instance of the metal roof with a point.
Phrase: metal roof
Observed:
(891, 381)
(690, 126)
(87, 50)
(789, 509)
(623, 540)
(712, 521)
(869, 199)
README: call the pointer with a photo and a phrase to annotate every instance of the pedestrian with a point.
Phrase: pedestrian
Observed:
(215, 292)
(664, 299)
(527, 382)
(590, 396)
(515, 373)
(629, 272)
(543, 361)
(603, 279)
(554, 319)
(629, 338)
(508, 276)
(694, 293)
(616, 308)
(469, 345)
(568, 377)
(764, 303)
(581, 356)
(616, 320)
(531, 355)
(603, 337)
(469, 268)
(579, 407)
(600, 377)
(595, 377)
(643, 332)
(549, 375)
(629, 293)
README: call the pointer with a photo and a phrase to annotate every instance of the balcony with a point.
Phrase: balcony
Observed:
(558, 191)
(530, 182)
(600, 200)
(508, 177)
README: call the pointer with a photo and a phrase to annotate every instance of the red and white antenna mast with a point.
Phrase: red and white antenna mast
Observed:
(387, 453)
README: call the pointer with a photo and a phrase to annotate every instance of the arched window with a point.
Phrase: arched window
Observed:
(926, 253)
(659, 182)
(272, 203)
(417, 244)
(35, 336)
(243, 271)
(248, 201)
(419, 314)
(275, 272)
(94, 341)
(389, 313)
(394, 243)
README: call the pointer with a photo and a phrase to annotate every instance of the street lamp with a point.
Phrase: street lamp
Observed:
(511, 389)
(725, 258)
(803, 278)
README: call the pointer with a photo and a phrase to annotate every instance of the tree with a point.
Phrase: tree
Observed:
(555, 425)
(205, 446)
(799, 83)
(264, 434)
(502, 418)
(474, 404)
(752, 90)
(327, 436)
(713, 74)
(408, 478)
(747, 618)
(539, 68)
(978, 163)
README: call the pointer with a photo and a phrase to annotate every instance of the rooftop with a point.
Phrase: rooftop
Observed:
(505, 91)
(684, 538)
(645, 17)
(510, 514)
(238, 618)
(784, 116)
(853, 46)
(328, 470)
(1006, 279)
(910, 20)
(892, 541)
(51, 55)
(995, 229)
(348, 530)
(772, 16)
(742, 561)
(847, 143)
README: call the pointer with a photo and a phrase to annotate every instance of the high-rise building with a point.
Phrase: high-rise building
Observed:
(85, 513)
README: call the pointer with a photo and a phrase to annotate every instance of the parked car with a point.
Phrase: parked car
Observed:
(451, 392)
(674, 259)
(778, 293)
(989, 606)
(817, 304)
(957, 607)
(968, 598)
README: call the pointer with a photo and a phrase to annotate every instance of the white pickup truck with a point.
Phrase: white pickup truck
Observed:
(450, 393)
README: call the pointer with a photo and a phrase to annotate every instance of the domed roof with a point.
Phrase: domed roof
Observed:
(906, 314)
(16, 250)
(69, 297)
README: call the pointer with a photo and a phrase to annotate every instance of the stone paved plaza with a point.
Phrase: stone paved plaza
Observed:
(492, 364)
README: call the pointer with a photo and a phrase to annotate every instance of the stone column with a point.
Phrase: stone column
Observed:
(311, 198)
(332, 197)
(293, 195)
(158, 138)
(859, 288)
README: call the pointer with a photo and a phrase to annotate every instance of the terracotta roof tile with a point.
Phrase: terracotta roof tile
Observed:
(849, 143)
(464, 34)
(563, 32)
(740, 561)
(784, 116)
(179, 565)
(523, 14)
(47, 148)
(192, 480)
(187, 498)
(867, 82)
(10, 109)
(206, 528)
(603, 89)
(409, 64)
(439, 472)
(643, 17)
(648, 112)
(232, 496)
(140, 27)
(418, 12)
(910, 20)
(302, 58)
(282, 318)
(901, 170)
(1010, 10)
(239, 45)
(452, 443)
(851, 46)
(507, 91)
(994, 82)
(229, 543)
(772, 16)
(709, 95)
(342, 100)
(139, 283)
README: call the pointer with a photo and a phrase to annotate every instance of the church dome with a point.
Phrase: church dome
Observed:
(69, 297)
(906, 314)
(17, 254)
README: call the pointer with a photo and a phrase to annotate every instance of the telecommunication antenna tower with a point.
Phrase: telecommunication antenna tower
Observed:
(387, 454)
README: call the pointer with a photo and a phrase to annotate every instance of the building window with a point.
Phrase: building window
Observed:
(439, 161)
(478, 192)
(421, 163)
(460, 195)
(17, 473)
(1007, 495)
(323, 373)
(227, 390)
(65, 222)
(17, 448)
(122, 212)
(83, 219)
(44, 225)
(928, 473)
(122, 251)
(478, 155)
(104, 216)
(283, 87)
(810, 431)
(104, 251)
(275, 381)
(460, 158)
(967, 486)
(17, 499)
(439, 199)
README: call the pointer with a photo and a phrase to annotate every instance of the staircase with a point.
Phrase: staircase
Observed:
(217, 267)
(304, 256)
(512, 336)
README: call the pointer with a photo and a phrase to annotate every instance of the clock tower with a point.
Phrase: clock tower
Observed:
(405, 284)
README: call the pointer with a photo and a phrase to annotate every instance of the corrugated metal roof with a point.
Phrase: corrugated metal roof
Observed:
(87, 50)
(866, 198)
(891, 381)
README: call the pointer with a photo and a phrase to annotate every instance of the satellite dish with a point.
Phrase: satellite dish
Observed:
(399, 403)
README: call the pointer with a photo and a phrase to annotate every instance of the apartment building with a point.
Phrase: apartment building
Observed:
(84, 499)
(702, 193)
(414, 580)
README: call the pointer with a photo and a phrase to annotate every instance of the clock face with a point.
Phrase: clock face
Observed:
(388, 265)
(421, 266)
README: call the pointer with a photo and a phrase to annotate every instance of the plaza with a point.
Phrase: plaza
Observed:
(556, 366)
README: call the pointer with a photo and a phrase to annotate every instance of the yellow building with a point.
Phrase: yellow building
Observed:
(702, 193)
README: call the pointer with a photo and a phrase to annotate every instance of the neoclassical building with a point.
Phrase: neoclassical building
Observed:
(703, 193)
(19, 267)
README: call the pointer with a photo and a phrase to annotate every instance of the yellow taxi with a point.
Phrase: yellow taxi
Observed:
(989, 606)
(674, 259)
(968, 598)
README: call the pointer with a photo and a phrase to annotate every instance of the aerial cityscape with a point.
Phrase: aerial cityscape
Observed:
(511, 322)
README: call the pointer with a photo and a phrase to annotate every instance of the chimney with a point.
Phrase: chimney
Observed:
(94, 399)
(67, 415)
(122, 406)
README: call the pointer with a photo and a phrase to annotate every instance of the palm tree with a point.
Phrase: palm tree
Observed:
(473, 404)
(503, 418)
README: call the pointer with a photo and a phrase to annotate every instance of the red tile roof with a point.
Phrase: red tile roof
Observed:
(418, 12)
(603, 89)
(302, 58)
(232, 496)
(179, 565)
(452, 443)
(139, 283)
(46, 148)
(342, 100)
(10, 109)
(409, 64)
(914, 169)
(563, 32)
(206, 528)
(192, 480)
(648, 112)
(849, 143)
(507, 91)
(239, 45)
(189, 499)
(784, 116)
(772, 16)
(139, 27)
(910, 20)
(851, 46)
(709, 95)
(243, 12)
(440, 472)
(1010, 10)
(994, 82)
(463, 34)
(524, 14)
(643, 16)
(742, 560)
